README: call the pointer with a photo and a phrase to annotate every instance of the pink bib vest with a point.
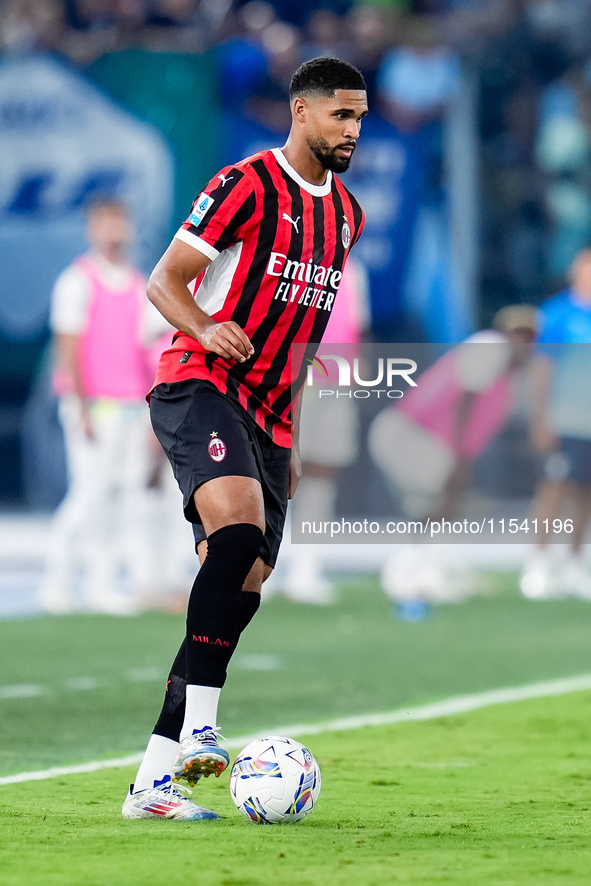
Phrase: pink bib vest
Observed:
(433, 403)
(113, 361)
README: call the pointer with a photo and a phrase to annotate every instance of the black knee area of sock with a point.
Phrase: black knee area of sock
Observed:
(170, 721)
(214, 612)
(249, 604)
(236, 546)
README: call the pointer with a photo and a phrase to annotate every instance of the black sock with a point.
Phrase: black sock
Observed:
(172, 715)
(249, 604)
(213, 617)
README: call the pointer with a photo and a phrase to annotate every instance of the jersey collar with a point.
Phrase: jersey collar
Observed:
(315, 190)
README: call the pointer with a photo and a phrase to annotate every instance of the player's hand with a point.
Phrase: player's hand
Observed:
(226, 339)
(295, 471)
(87, 422)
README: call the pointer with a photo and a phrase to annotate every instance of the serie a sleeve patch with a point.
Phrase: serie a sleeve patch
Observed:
(200, 207)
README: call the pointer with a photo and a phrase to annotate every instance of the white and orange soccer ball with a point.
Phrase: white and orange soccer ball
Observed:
(275, 780)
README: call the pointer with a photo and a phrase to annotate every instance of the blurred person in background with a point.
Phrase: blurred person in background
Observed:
(416, 83)
(183, 25)
(100, 26)
(329, 441)
(535, 137)
(418, 78)
(268, 105)
(102, 325)
(326, 33)
(167, 578)
(299, 13)
(241, 58)
(562, 153)
(31, 26)
(561, 431)
(372, 30)
(427, 443)
(261, 118)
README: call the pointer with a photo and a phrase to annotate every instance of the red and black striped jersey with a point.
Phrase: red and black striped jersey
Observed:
(278, 246)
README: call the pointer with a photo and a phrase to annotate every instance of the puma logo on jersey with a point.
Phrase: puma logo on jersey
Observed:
(291, 221)
(224, 180)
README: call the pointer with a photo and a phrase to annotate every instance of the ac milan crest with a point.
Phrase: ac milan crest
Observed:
(217, 449)
(346, 234)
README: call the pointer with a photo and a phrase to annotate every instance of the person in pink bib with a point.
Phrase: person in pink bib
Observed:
(427, 443)
(103, 325)
(304, 580)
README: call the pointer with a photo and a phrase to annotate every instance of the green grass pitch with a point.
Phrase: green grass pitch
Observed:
(499, 795)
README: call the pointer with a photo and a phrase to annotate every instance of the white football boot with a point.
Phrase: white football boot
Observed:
(163, 801)
(199, 754)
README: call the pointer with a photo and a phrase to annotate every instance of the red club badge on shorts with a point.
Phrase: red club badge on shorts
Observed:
(217, 448)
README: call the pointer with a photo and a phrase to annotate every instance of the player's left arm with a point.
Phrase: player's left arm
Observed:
(461, 419)
(543, 438)
(295, 465)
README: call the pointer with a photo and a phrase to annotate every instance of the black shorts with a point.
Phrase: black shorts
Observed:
(206, 435)
(572, 462)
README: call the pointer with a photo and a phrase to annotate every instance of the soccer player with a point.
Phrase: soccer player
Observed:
(266, 243)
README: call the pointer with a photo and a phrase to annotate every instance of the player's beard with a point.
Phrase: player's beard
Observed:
(327, 156)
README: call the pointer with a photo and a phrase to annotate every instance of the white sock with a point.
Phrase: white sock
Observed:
(157, 763)
(201, 708)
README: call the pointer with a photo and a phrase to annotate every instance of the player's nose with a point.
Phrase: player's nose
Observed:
(352, 129)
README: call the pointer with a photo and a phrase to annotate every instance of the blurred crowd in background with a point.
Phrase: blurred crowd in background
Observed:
(529, 62)
(474, 165)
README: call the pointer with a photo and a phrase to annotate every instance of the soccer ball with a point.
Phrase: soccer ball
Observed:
(274, 780)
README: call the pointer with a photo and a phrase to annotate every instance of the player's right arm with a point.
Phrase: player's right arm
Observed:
(168, 291)
(69, 313)
(543, 438)
(219, 218)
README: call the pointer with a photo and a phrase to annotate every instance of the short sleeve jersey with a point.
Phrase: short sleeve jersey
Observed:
(278, 246)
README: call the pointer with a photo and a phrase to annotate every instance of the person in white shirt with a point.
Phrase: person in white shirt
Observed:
(102, 325)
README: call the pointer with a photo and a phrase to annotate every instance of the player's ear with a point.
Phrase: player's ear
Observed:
(299, 108)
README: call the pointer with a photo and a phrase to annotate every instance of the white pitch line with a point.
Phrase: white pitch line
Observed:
(21, 690)
(82, 684)
(253, 662)
(55, 771)
(448, 707)
(146, 675)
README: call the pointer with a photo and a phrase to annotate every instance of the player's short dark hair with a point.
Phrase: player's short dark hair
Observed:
(323, 76)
